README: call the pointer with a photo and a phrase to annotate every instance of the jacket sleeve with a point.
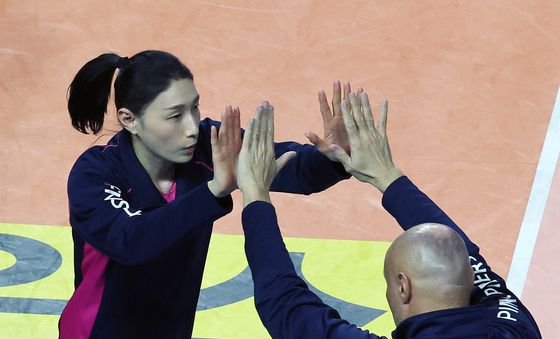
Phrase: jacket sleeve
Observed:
(410, 207)
(99, 213)
(287, 308)
(308, 172)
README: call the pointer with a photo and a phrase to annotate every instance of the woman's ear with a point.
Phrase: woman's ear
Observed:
(127, 119)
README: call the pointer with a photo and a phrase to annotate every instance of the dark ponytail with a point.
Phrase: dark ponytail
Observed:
(88, 93)
(140, 79)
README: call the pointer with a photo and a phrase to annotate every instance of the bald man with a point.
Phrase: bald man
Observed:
(438, 285)
(435, 258)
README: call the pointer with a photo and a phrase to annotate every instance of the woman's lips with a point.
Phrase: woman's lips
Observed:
(190, 149)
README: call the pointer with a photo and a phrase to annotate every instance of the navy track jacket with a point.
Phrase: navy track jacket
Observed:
(289, 310)
(138, 260)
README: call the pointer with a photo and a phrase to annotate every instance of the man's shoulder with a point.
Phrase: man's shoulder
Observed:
(474, 321)
(509, 318)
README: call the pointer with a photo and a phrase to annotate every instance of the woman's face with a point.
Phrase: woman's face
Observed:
(168, 129)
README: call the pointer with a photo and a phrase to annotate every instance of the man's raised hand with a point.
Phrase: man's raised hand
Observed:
(370, 157)
(257, 166)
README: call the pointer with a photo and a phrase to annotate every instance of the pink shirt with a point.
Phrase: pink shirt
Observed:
(79, 314)
(170, 195)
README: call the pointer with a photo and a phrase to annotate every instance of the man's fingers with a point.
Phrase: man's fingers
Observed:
(347, 90)
(336, 99)
(270, 126)
(248, 136)
(283, 160)
(366, 109)
(357, 111)
(383, 117)
(349, 123)
(256, 126)
(230, 122)
(262, 125)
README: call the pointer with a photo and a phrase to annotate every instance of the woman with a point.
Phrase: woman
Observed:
(142, 207)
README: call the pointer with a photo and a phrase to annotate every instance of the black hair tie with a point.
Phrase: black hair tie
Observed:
(123, 63)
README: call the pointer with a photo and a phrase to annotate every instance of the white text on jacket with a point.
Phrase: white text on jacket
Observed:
(114, 195)
(507, 306)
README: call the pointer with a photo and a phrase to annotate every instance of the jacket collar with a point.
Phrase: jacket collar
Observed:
(141, 191)
(463, 322)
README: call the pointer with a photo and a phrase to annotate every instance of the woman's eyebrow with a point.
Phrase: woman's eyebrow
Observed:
(180, 107)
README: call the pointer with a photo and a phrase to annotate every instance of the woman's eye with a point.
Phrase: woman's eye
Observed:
(175, 117)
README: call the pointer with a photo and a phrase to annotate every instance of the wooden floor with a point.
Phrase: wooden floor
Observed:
(471, 87)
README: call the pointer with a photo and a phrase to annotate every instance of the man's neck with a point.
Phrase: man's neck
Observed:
(428, 303)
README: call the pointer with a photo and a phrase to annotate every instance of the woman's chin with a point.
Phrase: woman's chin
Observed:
(182, 159)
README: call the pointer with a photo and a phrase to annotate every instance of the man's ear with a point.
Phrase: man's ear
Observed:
(405, 291)
(128, 120)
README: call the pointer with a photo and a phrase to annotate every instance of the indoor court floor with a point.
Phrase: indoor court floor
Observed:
(474, 121)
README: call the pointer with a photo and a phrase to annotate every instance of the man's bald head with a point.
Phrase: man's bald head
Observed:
(427, 268)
